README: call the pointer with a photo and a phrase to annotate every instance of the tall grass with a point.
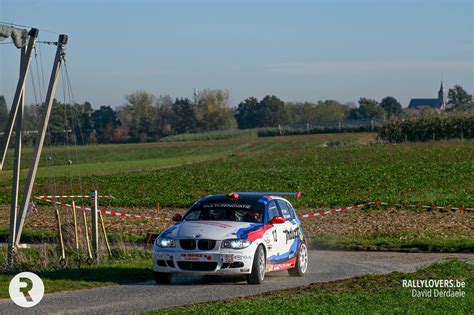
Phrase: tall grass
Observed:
(212, 135)
(426, 126)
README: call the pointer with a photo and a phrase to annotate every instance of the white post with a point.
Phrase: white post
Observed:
(95, 225)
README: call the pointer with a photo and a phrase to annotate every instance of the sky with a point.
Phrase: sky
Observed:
(296, 50)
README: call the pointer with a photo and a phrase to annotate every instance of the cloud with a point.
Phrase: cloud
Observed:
(368, 66)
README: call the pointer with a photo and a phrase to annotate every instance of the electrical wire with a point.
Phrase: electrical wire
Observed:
(28, 26)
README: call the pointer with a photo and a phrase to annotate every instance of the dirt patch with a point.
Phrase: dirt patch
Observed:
(365, 222)
(353, 222)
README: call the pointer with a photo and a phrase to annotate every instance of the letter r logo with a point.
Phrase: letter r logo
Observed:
(26, 289)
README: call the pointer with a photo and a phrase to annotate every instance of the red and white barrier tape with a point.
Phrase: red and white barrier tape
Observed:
(301, 216)
(113, 213)
(462, 209)
(322, 213)
(70, 197)
(375, 203)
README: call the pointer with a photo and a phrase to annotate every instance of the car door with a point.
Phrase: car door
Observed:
(274, 237)
(290, 230)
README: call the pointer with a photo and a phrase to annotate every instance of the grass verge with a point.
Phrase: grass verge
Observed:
(394, 242)
(379, 294)
(133, 266)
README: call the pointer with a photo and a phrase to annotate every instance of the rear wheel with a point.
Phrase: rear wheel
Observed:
(258, 267)
(162, 278)
(301, 262)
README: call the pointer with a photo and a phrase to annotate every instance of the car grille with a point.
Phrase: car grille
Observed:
(197, 265)
(201, 244)
(187, 244)
(206, 244)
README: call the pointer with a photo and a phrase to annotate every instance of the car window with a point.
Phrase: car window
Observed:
(273, 210)
(285, 210)
(223, 210)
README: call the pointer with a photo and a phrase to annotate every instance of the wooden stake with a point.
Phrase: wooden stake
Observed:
(76, 237)
(86, 232)
(105, 234)
(62, 261)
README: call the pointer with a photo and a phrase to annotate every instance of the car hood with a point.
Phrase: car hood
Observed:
(215, 230)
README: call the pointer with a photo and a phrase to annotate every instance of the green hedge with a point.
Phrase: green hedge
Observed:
(427, 126)
(285, 131)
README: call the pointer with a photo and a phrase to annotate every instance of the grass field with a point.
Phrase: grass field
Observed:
(371, 294)
(330, 170)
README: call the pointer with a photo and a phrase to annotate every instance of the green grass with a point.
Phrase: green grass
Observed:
(29, 236)
(371, 294)
(131, 267)
(175, 174)
(212, 135)
(395, 242)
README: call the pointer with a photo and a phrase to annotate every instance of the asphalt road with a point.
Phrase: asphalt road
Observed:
(324, 266)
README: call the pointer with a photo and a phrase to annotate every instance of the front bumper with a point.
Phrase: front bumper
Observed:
(203, 262)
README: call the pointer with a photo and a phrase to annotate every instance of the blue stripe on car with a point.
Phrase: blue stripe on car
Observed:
(170, 230)
(276, 259)
(243, 233)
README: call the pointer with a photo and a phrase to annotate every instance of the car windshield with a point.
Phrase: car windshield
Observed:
(226, 211)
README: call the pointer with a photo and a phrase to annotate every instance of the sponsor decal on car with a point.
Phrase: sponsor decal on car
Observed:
(227, 258)
(196, 257)
(286, 265)
(227, 205)
(217, 224)
(292, 234)
(242, 257)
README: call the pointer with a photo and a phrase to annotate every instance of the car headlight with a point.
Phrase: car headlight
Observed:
(236, 243)
(165, 242)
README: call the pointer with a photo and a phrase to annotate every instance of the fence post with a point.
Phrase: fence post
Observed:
(95, 225)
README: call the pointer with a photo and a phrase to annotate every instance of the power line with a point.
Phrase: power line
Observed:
(28, 26)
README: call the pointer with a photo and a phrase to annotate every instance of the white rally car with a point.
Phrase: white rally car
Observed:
(238, 233)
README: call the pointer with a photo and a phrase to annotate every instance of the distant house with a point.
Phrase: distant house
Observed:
(439, 103)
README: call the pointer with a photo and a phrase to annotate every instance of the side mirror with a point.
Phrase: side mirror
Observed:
(177, 217)
(277, 220)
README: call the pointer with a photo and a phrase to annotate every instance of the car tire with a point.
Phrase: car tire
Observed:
(301, 262)
(258, 267)
(162, 278)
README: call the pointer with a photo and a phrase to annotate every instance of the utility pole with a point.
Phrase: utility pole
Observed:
(15, 120)
(58, 59)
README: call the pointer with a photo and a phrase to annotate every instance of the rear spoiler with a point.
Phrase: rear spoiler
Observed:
(280, 194)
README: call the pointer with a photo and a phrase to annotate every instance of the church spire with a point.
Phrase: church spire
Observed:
(442, 98)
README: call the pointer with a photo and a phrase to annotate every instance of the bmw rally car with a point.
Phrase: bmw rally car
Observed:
(238, 233)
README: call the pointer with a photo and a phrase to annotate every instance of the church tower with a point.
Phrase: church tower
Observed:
(442, 98)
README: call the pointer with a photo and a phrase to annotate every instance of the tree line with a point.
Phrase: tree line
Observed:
(145, 117)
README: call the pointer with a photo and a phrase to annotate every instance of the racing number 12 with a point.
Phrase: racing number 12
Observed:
(274, 233)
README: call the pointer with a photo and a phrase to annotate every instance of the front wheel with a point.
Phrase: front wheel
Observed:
(162, 278)
(258, 267)
(301, 262)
